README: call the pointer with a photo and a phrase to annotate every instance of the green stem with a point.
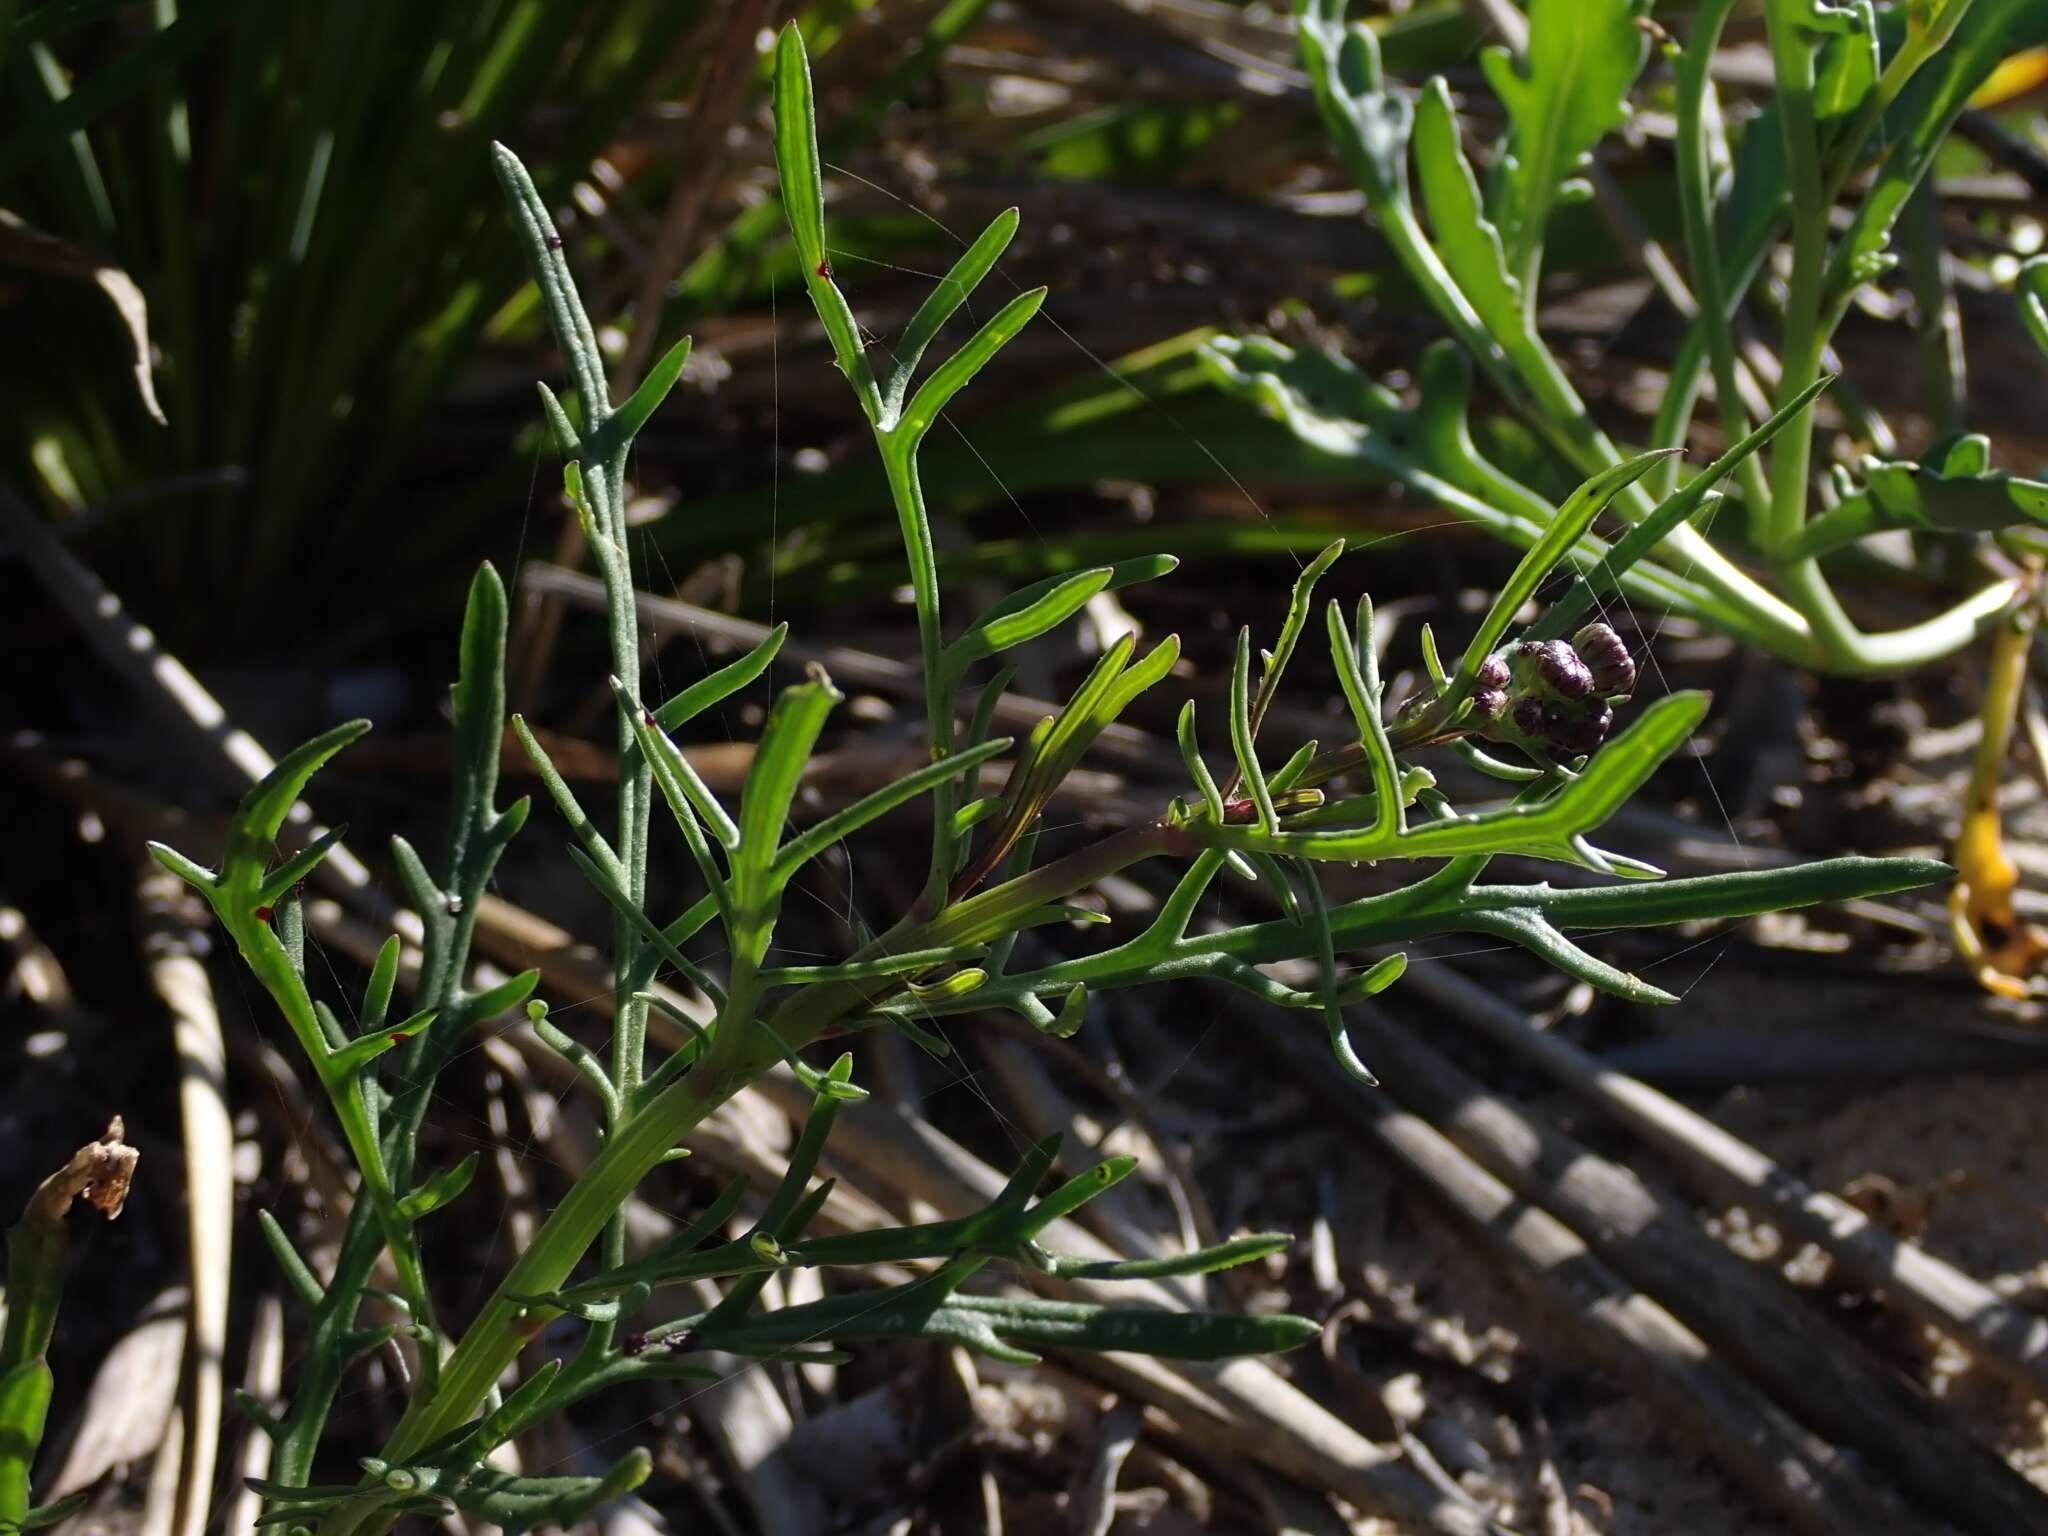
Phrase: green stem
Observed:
(1696, 206)
(899, 460)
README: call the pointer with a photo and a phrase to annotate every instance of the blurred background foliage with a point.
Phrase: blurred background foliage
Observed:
(340, 336)
(339, 333)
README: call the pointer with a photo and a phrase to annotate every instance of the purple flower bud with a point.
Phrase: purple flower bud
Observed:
(1582, 737)
(1607, 659)
(1493, 674)
(1562, 671)
(1529, 716)
(1489, 703)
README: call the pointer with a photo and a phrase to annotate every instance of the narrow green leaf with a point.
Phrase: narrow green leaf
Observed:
(298, 1274)
(377, 991)
(500, 1000)
(1363, 697)
(565, 799)
(440, 1190)
(358, 1053)
(841, 825)
(939, 306)
(253, 832)
(1241, 740)
(689, 797)
(579, 1056)
(1564, 615)
(562, 430)
(24, 1408)
(951, 376)
(1745, 893)
(787, 741)
(1202, 1261)
(1025, 616)
(45, 1515)
(609, 887)
(518, 1504)
(797, 167)
(624, 424)
(1529, 930)
(1198, 770)
(287, 875)
(722, 684)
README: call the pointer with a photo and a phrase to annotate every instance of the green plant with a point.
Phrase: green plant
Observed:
(99, 1173)
(1840, 111)
(950, 954)
(309, 232)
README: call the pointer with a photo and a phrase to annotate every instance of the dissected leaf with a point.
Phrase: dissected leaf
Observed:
(1959, 496)
(1569, 91)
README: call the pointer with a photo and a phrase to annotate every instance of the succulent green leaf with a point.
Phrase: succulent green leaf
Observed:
(1465, 238)
(608, 886)
(565, 799)
(1679, 507)
(1919, 122)
(1015, 1328)
(1958, 496)
(280, 881)
(1369, 123)
(1362, 694)
(1025, 616)
(1848, 62)
(560, 428)
(1529, 930)
(377, 991)
(358, 1053)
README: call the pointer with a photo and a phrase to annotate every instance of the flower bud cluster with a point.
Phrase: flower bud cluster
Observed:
(1552, 699)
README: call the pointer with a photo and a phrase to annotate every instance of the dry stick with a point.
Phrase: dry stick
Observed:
(1266, 1417)
(264, 1378)
(2003, 1337)
(171, 943)
(1823, 1377)
(130, 650)
(1118, 1213)
(700, 159)
(1782, 1464)
(33, 972)
(1092, 1509)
